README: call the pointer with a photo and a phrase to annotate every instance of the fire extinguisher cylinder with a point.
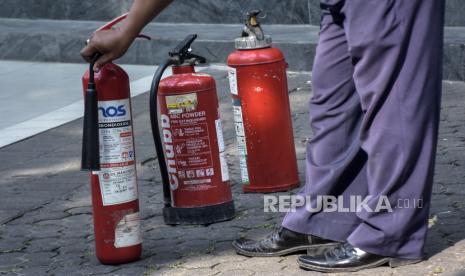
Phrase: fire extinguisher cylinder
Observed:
(108, 152)
(176, 56)
(191, 154)
(258, 86)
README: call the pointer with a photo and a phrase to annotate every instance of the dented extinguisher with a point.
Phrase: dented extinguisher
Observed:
(258, 86)
(108, 153)
(193, 165)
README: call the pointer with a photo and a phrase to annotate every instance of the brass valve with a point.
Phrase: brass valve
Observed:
(252, 26)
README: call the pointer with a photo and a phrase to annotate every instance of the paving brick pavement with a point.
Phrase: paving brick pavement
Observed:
(45, 211)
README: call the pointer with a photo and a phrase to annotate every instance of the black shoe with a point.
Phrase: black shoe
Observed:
(346, 258)
(279, 243)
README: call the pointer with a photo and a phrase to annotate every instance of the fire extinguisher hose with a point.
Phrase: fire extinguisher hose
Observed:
(90, 159)
(156, 130)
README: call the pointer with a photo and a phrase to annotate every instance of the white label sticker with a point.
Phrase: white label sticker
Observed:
(118, 184)
(232, 76)
(115, 131)
(127, 231)
(241, 143)
(244, 170)
(219, 135)
(221, 147)
(224, 167)
(117, 176)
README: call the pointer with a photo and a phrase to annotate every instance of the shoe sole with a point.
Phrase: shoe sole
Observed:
(391, 261)
(282, 252)
(345, 269)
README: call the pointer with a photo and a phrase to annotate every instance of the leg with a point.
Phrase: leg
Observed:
(335, 164)
(397, 46)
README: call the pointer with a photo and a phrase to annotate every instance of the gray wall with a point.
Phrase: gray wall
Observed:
(191, 11)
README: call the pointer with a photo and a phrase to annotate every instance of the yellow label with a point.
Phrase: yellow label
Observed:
(181, 103)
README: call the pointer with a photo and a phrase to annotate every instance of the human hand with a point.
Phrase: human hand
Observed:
(111, 44)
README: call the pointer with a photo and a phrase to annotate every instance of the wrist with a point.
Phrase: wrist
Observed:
(129, 32)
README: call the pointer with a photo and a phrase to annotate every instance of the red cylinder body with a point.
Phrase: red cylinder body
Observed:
(193, 139)
(114, 188)
(258, 84)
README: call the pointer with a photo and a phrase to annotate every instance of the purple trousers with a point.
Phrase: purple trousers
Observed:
(374, 115)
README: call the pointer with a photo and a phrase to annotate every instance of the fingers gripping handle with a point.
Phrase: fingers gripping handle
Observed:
(115, 21)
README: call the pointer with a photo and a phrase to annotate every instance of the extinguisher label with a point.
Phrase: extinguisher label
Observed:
(188, 146)
(221, 147)
(232, 76)
(117, 176)
(127, 231)
(241, 141)
(118, 185)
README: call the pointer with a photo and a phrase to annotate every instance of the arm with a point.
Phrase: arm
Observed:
(112, 44)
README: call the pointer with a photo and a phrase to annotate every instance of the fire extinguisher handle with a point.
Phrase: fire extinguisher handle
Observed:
(183, 47)
(182, 52)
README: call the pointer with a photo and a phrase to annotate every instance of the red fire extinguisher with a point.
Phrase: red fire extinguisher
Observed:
(108, 152)
(193, 165)
(258, 84)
